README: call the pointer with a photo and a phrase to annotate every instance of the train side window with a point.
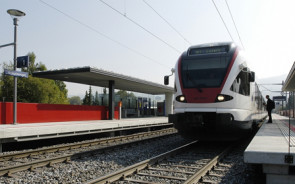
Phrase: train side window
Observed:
(241, 84)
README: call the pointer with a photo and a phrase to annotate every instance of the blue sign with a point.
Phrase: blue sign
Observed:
(16, 73)
(22, 61)
(279, 98)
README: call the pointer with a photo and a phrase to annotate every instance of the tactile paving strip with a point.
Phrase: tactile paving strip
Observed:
(283, 125)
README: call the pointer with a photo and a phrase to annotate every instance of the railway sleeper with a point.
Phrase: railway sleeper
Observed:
(181, 166)
(170, 170)
(50, 151)
(224, 165)
(36, 170)
(222, 169)
(160, 176)
(139, 181)
(206, 179)
(11, 175)
(189, 158)
(208, 182)
(215, 174)
(20, 161)
(209, 177)
(34, 157)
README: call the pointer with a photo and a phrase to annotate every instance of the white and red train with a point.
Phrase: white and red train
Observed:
(215, 93)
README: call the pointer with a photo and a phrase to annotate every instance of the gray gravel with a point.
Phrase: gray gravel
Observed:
(79, 171)
(82, 170)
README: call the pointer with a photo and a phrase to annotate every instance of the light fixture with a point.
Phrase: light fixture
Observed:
(223, 98)
(181, 98)
(15, 13)
(220, 98)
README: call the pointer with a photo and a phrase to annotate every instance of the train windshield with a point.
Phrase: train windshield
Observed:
(207, 72)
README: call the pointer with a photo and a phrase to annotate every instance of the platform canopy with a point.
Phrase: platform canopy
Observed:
(290, 81)
(98, 77)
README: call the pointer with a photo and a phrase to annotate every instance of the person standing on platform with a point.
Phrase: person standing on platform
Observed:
(270, 105)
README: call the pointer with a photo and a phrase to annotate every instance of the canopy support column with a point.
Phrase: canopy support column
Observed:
(168, 103)
(111, 99)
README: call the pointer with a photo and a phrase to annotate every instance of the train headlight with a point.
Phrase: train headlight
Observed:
(223, 98)
(220, 98)
(181, 98)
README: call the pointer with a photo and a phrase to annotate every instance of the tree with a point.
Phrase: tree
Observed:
(62, 87)
(75, 100)
(1, 84)
(96, 99)
(86, 99)
(90, 96)
(124, 94)
(34, 66)
(32, 89)
(126, 98)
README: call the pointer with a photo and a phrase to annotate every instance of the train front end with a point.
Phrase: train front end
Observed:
(213, 92)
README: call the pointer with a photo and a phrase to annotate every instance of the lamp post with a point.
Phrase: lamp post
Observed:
(15, 14)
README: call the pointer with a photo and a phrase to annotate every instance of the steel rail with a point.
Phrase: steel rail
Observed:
(147, 164)
(40, 151)
(8, 171)
(121, 174)
(202, 172)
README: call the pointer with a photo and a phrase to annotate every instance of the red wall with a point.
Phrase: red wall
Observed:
(38, 113)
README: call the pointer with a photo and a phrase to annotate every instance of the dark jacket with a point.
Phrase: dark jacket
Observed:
(269, 105)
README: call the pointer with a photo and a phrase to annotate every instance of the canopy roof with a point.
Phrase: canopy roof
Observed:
(98, 77)
(290, 81)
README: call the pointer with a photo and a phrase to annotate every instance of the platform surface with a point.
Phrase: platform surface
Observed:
(271, 143)
(32, 131)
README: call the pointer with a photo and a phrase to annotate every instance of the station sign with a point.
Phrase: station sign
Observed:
(279, 98)
(22, 61)
(16, 73)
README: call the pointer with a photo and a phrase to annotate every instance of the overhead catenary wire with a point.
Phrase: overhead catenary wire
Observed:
(264, 87)
(234, 24)
(223, 21)
(134, 22)
(103, 35)
(167, 22)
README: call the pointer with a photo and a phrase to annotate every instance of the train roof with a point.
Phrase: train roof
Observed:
(214, 44)
(211, 48)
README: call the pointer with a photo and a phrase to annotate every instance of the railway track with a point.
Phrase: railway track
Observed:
(32, 159)
(185, 164)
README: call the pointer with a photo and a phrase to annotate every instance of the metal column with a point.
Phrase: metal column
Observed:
(15, 78)
(168, 103)
(111, 99)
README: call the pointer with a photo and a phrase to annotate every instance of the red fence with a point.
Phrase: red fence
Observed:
(39, 113)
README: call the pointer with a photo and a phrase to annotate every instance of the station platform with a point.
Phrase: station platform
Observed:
(271, 148)
(36, 131)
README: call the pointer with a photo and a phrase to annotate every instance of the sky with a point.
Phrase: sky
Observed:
(132, 37)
